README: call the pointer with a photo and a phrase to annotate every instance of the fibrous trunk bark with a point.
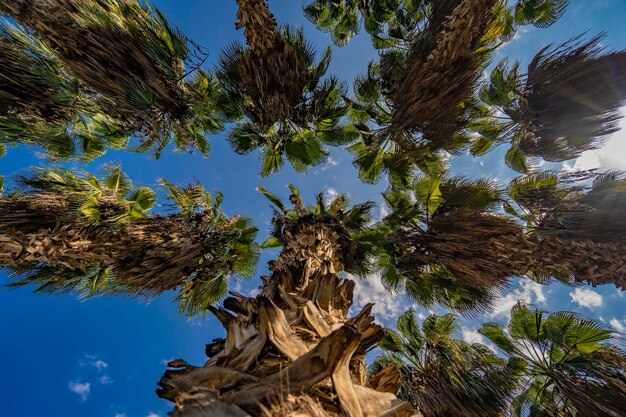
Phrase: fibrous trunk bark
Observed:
(153, 254)
(291, 350)
(484, 250)
(434, 87)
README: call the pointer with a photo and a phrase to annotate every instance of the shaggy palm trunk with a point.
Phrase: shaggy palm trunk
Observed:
(109, 59)
(274, 74)
(483, 250)
(435, 86)
(292, 350)
(153, 254)
(258, 23)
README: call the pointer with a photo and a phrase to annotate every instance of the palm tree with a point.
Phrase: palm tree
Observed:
(436, 244)
(42, 104)
(419, 100)
(568, 102)
(443, 376)
(292, 350)
(67, 233)
(391, 21)
(274, 82)
(129, 57)
(567, 207)
(573, 366)
(445, 243)
(415, 102)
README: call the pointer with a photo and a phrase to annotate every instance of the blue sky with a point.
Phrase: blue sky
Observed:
(102, 358)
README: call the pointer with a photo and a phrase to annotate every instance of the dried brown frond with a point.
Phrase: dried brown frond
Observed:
(485, 250)
(429, 97)
(258, 23)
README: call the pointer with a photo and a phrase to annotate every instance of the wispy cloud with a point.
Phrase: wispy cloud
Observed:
(153, 415)
(93, 361)
(81, 388)
(387, 306)
(587, 298)
(618, 325)
(528, 292)
(105, 380)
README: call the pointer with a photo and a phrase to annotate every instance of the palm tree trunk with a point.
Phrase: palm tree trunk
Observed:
(153, 254)
(259, 24)
(433, 88)
(292, 350)
(485, 250)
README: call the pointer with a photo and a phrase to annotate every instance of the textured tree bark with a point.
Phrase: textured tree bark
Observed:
(434, 87)
(484, 250)
(258, 23)
(154, 254)
(292, 350)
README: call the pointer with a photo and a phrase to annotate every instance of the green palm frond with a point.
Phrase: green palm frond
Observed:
(442, 375)
(131, 68)
(540, 13)
(566, 367)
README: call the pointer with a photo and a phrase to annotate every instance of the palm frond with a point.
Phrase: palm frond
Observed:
(132, 61)
(571, 99)
(565, 365)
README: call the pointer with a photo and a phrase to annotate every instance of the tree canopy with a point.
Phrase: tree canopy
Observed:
(79, 78)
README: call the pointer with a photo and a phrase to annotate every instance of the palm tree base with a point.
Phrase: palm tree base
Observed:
(291, 350)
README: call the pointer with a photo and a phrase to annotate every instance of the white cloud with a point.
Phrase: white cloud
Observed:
(472, 336)
(387, 306)
(120, 415)
(609, 157)
(585, 297)
(94, 362)
(330, 162)
(619, 326)
(529, 292)
(82, 389)
(105, 380)
(332, 193)
(153, 415)
(383, 211)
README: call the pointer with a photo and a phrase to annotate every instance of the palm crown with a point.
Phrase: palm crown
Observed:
(76, 233)
(573, 367)
(445, 376)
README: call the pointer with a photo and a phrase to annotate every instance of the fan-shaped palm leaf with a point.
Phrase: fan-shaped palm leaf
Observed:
(78, 233)
(444, 376)
(572, 366)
